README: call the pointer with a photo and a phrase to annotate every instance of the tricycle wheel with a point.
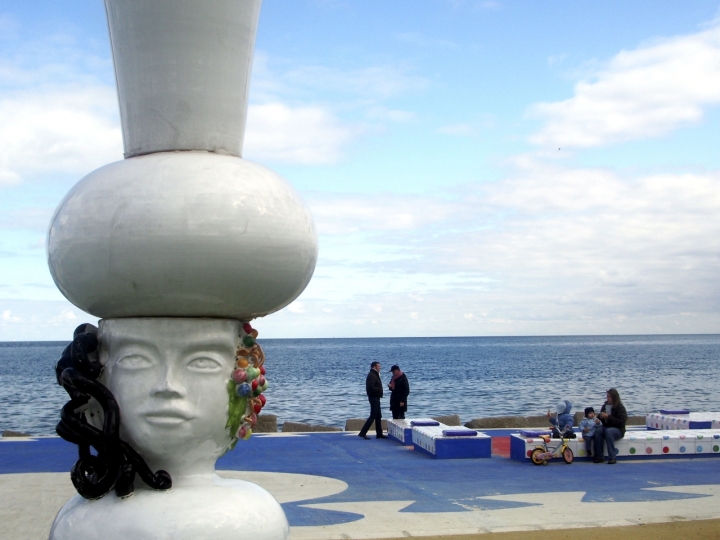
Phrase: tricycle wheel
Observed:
(568, 456)
(535, 457)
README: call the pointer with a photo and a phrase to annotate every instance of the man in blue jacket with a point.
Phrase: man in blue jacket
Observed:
(374, 389)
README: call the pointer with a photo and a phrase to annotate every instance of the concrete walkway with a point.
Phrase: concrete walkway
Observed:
(338, 486)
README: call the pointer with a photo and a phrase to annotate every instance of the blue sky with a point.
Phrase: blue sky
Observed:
(473, 167)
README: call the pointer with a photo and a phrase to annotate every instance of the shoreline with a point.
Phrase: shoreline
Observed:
(268, 423)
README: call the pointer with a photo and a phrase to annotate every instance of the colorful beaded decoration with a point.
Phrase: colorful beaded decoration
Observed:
(246, 385)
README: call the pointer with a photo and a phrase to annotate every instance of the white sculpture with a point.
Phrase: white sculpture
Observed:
(175, 248)
(170, 379)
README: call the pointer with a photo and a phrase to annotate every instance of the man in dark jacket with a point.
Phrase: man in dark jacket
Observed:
(613, 417)
(399, 391)
(374, 389)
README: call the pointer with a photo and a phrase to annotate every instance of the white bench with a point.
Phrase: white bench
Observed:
(438, 442)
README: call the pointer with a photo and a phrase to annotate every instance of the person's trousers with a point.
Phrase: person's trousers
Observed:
(398, 414)
(589, 442)
(607, 435)
(375, 416)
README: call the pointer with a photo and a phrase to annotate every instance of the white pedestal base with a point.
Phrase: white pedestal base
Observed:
(223, 510)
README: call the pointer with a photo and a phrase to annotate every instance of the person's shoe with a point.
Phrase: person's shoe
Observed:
(612, 461)
(381, 437)
(363, 436)
(598, 460)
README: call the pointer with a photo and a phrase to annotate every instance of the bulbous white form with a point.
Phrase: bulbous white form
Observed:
(169, 377)
(182, 234)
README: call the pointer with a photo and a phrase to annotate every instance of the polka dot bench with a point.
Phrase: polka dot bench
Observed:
(450, 442)
(666, 420)
(635, 444)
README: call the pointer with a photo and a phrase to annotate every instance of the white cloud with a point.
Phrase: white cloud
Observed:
(40, 320)
(340, 214)
(419, 40)
(8, 178)
(71, 130)
(546, 250)
(476, 5)
(308, 114)
(555, 59)
(67, 315)
(646, 92)
(276, 78)
(57, 113)
(491, 5)
(379, 112)
(7, 316)
(307, 135)
(51, 123)
(296, 307)
(28, 218)
(373, 83)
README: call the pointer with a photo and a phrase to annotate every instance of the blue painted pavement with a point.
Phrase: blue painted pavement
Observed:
(382, 470)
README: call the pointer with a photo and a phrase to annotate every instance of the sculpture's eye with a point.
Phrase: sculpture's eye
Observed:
(205, 364)
(134, 361)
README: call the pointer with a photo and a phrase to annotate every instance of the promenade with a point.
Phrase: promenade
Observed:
(338, 486)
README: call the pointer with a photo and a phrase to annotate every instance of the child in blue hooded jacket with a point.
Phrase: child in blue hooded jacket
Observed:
(562, 421)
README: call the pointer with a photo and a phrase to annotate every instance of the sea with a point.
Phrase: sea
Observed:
(322, 381)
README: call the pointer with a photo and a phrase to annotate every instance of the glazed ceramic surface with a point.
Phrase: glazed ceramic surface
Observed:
(182, 234)
(224, 510)
(182, 70)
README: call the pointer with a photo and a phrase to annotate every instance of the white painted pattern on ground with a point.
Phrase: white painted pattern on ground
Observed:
(29, 502)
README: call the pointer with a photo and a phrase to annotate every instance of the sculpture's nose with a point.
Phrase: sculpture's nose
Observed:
(169, 385)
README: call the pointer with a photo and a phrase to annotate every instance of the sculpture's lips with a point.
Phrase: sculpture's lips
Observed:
(167, 417)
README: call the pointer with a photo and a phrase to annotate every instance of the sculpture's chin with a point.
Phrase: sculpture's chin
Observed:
(177, 449)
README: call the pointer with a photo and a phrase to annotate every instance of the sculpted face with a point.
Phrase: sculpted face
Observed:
(169, 377)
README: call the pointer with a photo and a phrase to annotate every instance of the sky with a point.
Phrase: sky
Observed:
(474, 168)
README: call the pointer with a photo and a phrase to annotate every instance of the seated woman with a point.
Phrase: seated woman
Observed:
(613, 417)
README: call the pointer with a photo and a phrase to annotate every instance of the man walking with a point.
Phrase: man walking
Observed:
(374, 389)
